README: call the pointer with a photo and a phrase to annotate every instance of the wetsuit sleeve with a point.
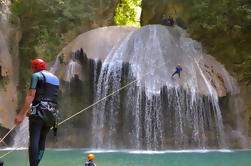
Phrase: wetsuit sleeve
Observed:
(34, 81)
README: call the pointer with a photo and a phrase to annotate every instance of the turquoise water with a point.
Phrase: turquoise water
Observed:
(76, 157)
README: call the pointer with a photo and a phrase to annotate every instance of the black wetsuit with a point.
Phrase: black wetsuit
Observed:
(38, 132)
(46, 85)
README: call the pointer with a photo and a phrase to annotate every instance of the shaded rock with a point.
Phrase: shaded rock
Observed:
(219, 78)
(7, 140)
(9, 38)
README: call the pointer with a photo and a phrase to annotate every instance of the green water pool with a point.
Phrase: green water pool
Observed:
(77, 157)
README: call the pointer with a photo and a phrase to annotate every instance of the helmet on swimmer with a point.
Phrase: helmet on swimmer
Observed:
(90, 156)
(38, 65)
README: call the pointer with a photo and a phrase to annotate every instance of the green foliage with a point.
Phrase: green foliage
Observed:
(128, 12)
(44, 25)
(223, 26)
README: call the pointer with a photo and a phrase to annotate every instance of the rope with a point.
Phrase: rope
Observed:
(109, 95)
(72, 116)
(27, 155)
(9, 152)
(2, 140)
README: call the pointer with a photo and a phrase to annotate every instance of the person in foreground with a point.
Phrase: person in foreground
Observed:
(90, 160)
(1, 163)
(41, 99)
(178, 70)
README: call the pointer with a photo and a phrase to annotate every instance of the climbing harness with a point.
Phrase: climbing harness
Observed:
(48, 112)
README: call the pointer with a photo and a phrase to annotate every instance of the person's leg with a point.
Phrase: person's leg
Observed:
(174, 73)
(35, 126)
(44, 132)
(179, 74)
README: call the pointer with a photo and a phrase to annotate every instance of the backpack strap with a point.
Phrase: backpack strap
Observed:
(43, 77)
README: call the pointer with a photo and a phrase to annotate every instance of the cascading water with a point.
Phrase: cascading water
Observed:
(159, 111)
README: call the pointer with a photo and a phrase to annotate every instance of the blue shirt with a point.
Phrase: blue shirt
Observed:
(179, 68)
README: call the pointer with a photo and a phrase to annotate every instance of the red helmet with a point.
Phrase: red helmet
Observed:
(38, 65)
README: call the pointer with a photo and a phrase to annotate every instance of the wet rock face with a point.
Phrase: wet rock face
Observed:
(215, 73)
(94, 44)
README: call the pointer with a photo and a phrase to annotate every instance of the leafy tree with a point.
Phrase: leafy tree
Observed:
(128, 13)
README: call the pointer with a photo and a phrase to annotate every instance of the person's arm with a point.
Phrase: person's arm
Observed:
(28, 100)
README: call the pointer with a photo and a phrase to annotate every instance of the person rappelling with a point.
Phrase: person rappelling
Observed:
(178, 70)
(42, 100)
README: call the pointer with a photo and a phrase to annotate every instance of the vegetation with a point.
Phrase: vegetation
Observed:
(47, 26)
(128, 13)
(223, 26)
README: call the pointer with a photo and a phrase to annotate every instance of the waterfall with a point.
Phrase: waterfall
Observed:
(158, 111)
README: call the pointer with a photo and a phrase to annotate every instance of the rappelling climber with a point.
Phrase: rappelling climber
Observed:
(168, 21)
(41, 100)
(178, 70)
(90, 160)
